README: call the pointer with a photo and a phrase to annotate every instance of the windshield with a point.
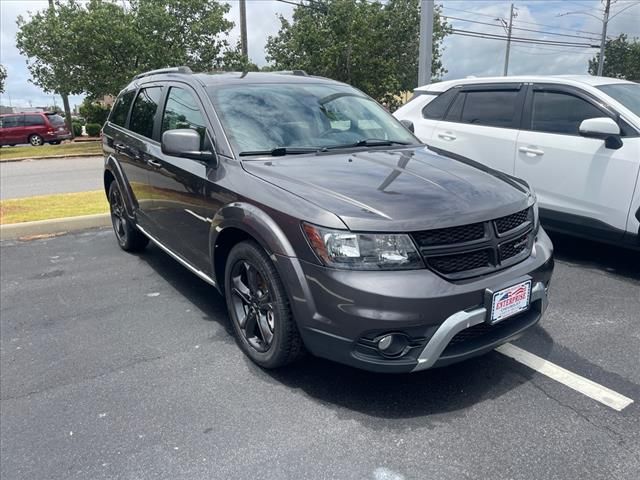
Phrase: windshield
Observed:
(628, 94)
(294, 118)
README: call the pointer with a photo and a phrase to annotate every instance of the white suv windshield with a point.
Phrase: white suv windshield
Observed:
(261, 118)
(628, 94)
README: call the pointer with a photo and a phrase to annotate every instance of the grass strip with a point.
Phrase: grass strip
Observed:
(79, 148)
(45, 207)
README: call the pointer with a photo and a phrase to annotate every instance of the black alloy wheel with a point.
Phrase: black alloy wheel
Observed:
(259, 308)
(129, 238)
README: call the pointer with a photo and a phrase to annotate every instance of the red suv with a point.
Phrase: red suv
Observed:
(33, 128)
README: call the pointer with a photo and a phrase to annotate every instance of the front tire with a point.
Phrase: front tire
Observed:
(259, 308)
(36, 140)
(129, 238)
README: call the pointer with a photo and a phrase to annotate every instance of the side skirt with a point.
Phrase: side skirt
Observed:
(178, 258)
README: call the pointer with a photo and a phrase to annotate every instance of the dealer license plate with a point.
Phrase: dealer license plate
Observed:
(510, 301)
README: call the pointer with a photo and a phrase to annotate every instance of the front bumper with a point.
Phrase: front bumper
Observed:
(341, 314)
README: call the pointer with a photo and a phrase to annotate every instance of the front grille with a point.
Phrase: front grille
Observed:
(478, 248)
(514, 247)
(446, 236)
(472, 333)
(461, 262)
(510, 222)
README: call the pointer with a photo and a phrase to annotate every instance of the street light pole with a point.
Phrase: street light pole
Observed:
(603, 40)
(426, 42)
(243, 28)
(512, 14)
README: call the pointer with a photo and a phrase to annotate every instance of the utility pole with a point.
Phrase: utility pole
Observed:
(243, 28)
(603, 40)
(512, 15)
(426, 42)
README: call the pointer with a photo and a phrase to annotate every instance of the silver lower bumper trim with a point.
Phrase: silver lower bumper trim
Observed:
(458, 322)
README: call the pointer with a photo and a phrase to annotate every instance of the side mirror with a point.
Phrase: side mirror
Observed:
(185, 143)
(604, 128)
(408, 124)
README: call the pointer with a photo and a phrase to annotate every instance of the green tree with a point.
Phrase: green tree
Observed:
(621, 59)
(3, 77)
(371, 45)
(47, 41)
(93, 112)
(97, 46)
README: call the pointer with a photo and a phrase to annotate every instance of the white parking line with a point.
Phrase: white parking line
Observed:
(580, 384)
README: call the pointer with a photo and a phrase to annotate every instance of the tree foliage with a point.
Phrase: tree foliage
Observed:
(96, 47)
(3, 77)
(369, 44)
(621, 59)
(93, 112)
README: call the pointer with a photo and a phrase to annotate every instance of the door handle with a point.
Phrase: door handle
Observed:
(531, 151)
(153, 163)
(119, 147)
(447, 136)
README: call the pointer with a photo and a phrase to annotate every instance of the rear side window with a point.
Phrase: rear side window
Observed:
(436, 108)
(557, 112)
(144, 111)
(492, 108)
(33, 120)
(455, 110)
(12, 121)
(56, 120)
(183, 111)
(120, 109)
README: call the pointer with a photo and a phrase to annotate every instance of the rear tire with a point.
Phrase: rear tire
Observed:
(129, 237)
(55, 142)
(36, 140)
(259, 308)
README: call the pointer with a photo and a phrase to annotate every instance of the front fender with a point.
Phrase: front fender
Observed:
(253, 221)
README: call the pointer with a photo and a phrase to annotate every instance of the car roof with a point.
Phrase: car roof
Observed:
(575, 80)
(237, 78)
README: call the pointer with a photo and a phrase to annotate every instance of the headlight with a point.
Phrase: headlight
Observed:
(363, 251)
(536, 213)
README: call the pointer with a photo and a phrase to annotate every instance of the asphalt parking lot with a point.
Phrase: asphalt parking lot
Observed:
(122, 367)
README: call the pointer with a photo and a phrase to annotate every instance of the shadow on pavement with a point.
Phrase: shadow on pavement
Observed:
(595, 255)
(354, 392)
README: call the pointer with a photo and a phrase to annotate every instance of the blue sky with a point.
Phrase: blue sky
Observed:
(463, 56)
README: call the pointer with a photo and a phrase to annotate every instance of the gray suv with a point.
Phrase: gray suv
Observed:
(326, 224)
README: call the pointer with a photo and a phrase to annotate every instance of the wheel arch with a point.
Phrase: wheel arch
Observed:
(113, 172)
(241, 221)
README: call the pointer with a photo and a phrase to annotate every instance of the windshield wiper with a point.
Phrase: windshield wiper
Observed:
(371, 142)
(281, 151)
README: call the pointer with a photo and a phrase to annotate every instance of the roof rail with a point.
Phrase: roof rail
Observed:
(299, 73)
(164, 70)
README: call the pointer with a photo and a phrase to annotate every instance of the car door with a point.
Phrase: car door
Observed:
(580, 183)
(482, 123)
(425, 111)
(185, 193)
(12, 130)
(132, 146)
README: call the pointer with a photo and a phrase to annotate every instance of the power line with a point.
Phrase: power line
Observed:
(446, 7)
(470, 33)
(519, 28)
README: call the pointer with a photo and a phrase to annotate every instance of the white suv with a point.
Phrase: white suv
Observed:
(575, 139)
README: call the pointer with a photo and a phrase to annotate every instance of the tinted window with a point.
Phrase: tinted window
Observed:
(144, 111)
(33, 120)
(454, 112)
(12, 121)
(56, 120)
(121, 109)
(436, 108)
(557, 112)
(494, 108)
(183, 111)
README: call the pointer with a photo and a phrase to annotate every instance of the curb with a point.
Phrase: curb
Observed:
(52, 157)
(16, 231)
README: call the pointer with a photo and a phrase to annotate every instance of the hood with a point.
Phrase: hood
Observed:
(395, 190)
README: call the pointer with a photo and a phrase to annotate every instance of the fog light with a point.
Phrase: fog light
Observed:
(393, 344)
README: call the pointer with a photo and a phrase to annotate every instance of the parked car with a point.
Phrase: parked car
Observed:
(574, 139)
(323, 221)
(34, 128)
